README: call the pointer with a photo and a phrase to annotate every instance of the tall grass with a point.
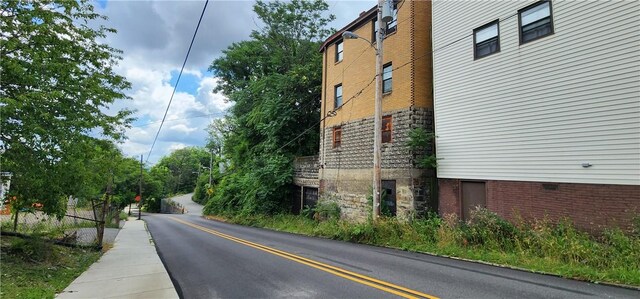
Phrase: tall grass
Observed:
(552, 247)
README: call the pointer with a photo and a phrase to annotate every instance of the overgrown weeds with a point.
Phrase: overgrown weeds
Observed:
(552, 247)
(34, 268)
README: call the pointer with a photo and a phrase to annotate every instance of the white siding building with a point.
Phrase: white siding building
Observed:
(537, 108)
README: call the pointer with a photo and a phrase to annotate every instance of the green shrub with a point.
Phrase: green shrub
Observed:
(427, 228)
(326, 210)
(308, 212)
(486, 228)
(361, 233)
(200, 192)
(635, 226)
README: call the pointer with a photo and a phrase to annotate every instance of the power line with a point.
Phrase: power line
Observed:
(178, 80)
(332, 112)
(329, 114)
(177, 119)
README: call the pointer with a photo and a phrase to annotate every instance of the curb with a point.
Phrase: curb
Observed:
(619, 285)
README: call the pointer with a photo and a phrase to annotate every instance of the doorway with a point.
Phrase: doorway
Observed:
(474, 194)
(388, 204)
(310, 197)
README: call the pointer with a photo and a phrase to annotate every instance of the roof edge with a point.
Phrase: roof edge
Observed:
(355, 23)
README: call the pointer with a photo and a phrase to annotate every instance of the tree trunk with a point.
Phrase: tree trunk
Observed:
(15, 221)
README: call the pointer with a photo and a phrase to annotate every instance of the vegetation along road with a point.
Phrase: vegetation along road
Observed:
(208, 259)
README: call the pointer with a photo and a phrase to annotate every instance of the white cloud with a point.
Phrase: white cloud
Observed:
(207, 97)
(184, 124)
(176, 146)
(154, 37)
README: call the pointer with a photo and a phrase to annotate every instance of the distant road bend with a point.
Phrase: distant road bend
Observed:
(209, 259)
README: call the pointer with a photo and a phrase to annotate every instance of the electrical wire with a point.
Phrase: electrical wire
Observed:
(334, 111)
(177, 119)
(329, 114)
(178, 80)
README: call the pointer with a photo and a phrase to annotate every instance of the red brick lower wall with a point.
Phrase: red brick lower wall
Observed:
(590, 206)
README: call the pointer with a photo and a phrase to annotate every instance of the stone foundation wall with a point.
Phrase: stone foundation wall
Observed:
(351, 187)
(306, 167)
(356, 150)
(346, 171)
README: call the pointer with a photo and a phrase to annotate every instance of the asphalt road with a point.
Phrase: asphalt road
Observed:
(190, 207)
(210, 259)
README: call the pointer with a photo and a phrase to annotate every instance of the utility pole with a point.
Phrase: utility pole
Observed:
(210, 166)
(140, 190)
(385, 14)
(377, 118)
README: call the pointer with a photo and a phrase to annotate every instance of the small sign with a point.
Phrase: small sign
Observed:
(137, 198)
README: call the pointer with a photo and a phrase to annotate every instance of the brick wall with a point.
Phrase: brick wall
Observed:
(412, 84)
(590, 206)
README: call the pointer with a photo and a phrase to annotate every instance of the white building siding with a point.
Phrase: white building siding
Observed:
(536, 112)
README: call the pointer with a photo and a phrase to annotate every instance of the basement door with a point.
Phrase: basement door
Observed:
(474, 194)
(296, 199)
(310, 197)
(388, 205)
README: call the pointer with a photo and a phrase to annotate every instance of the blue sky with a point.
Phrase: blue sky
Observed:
(154, 37)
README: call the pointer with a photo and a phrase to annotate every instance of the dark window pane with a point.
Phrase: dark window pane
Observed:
(535, 22)
(487, 40)
(487, 47)
(535, 30)
(386, 85)
(386, 137)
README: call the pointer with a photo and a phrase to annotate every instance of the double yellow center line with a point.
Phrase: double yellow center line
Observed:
(346, 274)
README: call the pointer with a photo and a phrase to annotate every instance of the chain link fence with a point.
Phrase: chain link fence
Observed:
(80, 227)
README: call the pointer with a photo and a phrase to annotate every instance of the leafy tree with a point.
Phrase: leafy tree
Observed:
(274, 80)
(183, 167)
(217, 131)
(56, 83)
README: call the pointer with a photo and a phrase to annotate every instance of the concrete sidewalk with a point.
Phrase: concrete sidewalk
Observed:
(131, 269)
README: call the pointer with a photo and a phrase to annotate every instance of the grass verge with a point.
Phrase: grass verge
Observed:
(542, 246)
(33, 268)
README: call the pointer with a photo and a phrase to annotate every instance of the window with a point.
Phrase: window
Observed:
(339, 50)
(486, 40)
(389, 28)
(393, 24)
(337, 102)
(387, 128)
(337, 136)
(374, 30)
(387, 78)
(535, 21)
